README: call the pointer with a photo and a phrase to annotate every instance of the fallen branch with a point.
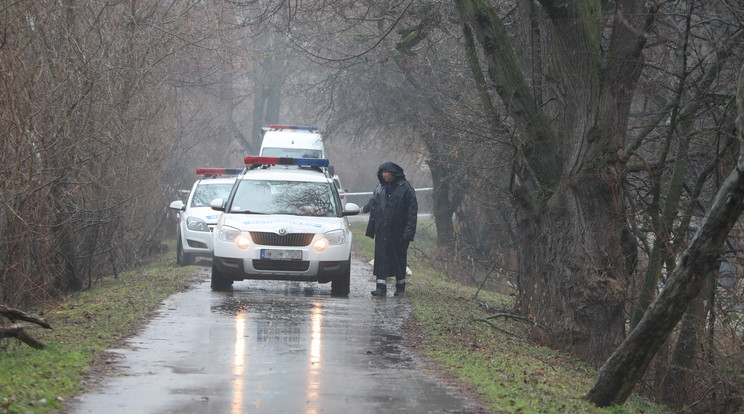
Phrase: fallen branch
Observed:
(18, 330)
(496, 327)
(16, 315)
(520, 319)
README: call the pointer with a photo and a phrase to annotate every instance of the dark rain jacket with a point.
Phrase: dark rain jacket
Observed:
(392, 221)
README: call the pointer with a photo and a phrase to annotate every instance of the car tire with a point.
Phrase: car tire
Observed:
(179, 251)
(220, 282)
(188, 259)
(182, 258)
(341, 285)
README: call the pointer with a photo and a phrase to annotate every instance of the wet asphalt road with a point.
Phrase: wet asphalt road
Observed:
(273, 347)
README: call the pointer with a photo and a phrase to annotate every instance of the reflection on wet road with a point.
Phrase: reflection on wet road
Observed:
(273, 347)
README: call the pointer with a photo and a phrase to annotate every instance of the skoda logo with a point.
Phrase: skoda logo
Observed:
(282, 232)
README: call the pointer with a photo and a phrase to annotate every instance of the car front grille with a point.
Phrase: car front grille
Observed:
(273, 239)
(290, 265)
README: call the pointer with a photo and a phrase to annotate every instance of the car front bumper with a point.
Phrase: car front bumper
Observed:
(198, 243)
(296, 270)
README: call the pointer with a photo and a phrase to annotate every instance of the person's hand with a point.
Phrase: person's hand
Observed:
(361, 210)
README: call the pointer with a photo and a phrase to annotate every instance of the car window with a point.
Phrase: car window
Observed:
(291, 152)
(206, 192)
(284, 197)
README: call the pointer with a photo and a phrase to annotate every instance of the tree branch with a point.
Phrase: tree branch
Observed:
(16, 315)
(18, 331)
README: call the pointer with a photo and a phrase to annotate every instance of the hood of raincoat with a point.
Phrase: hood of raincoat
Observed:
(393, 168)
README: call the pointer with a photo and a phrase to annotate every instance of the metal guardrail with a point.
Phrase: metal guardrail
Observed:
(370, 192)
(425, 203)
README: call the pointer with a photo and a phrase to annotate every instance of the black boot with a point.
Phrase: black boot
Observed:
(400, 287)
(381, 289)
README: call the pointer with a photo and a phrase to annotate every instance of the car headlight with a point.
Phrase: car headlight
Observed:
(196, 224)
(228, 234)
(335, 237)
(320, 245)
(243, 241)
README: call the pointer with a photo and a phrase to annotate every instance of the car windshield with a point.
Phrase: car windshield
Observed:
(284, 197)
(291, 152)
(206, 192)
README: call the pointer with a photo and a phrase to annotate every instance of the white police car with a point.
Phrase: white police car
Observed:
(196, 219)
(283, 220)
(339, 187)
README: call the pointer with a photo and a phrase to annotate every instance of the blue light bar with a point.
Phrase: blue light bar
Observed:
(312, 162)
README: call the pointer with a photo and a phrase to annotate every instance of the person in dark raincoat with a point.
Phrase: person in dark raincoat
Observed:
(393, 211)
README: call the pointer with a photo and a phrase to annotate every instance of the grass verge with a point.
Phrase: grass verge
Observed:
(475, 339)
(84, 326)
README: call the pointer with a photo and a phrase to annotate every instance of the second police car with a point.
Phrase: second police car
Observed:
(283, 220)
(196, 219)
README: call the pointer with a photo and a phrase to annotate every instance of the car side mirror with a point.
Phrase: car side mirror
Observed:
(178, 205)
(217, 204)
(351, 209)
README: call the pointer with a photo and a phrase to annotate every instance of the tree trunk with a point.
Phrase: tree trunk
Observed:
(267, 83)
(573, 267)
(575, 251)
(226, 106)
(443, 207)
(678, 380)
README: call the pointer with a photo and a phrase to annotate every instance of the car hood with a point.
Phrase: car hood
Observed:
(207, 214)
(291, 224)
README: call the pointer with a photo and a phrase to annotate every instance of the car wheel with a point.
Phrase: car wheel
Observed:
(341, 285)
(179, 252)
(220, 282)
(183, 258)
(188, 259)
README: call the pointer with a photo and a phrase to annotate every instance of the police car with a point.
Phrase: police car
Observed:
(339, 187)
(283, 220)
(292, 141)
(196, 219)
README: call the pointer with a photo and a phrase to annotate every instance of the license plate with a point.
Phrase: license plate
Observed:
(281, 254)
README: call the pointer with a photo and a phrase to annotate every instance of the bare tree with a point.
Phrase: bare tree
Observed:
(89, 115)
(630, 360)
(575, 254)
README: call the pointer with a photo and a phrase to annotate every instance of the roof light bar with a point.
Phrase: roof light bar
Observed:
(218, 171)
(302, 162)
(296, 127)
